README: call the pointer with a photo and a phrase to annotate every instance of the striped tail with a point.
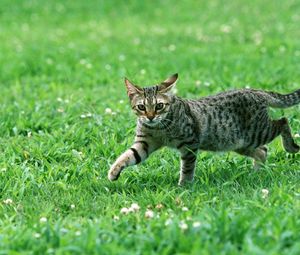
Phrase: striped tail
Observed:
(277, 100)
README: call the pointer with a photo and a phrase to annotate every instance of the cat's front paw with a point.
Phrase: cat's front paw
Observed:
(112, 177)
(184, 180)
(114, 172)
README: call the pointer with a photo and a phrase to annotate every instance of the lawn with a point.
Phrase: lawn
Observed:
(65, 117)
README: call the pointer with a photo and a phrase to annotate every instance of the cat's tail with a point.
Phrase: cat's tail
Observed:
(277, 100)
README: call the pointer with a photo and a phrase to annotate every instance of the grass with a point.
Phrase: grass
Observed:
(62, 64)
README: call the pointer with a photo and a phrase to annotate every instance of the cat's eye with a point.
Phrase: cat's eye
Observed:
(141, 107)
(159, 106)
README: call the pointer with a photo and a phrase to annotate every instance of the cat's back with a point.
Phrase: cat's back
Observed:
(223, 118)
(238, 95)
(232, 100)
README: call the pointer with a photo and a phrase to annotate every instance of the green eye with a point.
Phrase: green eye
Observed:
(141, 107)
(159, 106)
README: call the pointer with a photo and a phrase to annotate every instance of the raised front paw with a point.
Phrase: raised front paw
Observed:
(114, 172)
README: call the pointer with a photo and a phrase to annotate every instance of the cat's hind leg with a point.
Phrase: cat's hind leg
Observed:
(274, 128)
(287, 138)
(259, 155)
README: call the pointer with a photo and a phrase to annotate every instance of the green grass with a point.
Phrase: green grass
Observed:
(61, 59)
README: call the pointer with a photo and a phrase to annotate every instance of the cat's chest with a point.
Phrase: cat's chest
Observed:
(172, 143)
(173, 135)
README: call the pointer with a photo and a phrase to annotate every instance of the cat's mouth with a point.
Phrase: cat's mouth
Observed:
(151, 123)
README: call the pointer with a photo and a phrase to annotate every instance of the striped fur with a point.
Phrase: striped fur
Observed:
(231, 121)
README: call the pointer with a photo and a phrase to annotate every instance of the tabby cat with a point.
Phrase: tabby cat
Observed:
(231, 121)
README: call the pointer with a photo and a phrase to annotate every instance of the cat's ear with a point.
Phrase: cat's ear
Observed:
(168, 84)
(132, 89)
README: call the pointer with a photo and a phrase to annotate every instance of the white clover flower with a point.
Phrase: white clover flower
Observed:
(43, 220)
(50, 251)
(71, 45)
(82, 61)
(64, 230)
(159, 206)
(257, 38)
(77, 154)
(8, 201)
(172, 47)
(124, 210)
(225, 28)
(108, 111)
(198, 83)
(282, 48)
(184, 209)
(196, 224)
(88, 115)
(136, 41)
(135, 207)
(170, 213)
(88, 65)
(297, 135)
(37, 235)
(183, 225)
(265, 193)
(77, 233)
(116, 218)
(168, 222)
(60, 110)
(149, 214)
(121, 101)
(49, 61)
(122, 57)
(130, 210)
(72, 206)
(107, 67)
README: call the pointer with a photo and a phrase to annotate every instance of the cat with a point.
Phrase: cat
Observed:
(236, 120)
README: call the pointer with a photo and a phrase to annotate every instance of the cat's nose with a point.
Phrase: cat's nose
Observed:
(150, 117)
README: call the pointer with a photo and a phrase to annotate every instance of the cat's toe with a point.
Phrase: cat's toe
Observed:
(294, 148)
(257, 165)
(113, 177)
(184, 182)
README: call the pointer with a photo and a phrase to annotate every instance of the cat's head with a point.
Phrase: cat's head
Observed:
(151, 104)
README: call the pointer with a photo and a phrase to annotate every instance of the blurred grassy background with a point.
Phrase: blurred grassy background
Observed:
(217, 40)
(62, 64)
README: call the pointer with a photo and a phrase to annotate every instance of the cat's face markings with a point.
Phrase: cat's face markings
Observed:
(151, 107)
(151, 104)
